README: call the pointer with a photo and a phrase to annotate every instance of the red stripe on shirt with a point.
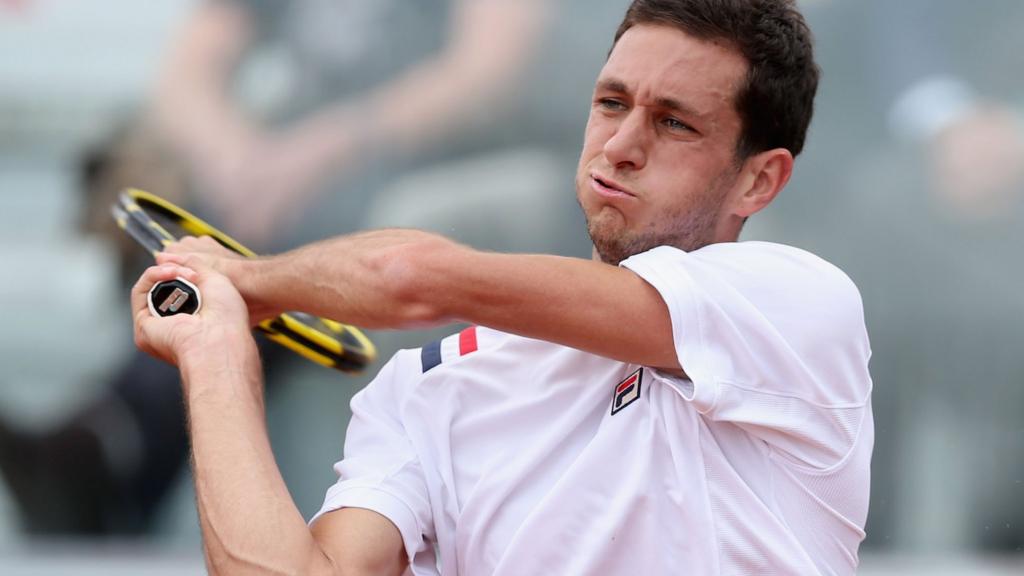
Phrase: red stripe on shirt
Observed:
(467, 341)
(626, 383)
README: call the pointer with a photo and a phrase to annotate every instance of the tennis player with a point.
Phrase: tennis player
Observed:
(681, 403)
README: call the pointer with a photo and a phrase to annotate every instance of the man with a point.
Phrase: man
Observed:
(683, 402)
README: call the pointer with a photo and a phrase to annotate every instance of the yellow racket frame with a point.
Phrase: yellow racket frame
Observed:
(324, 341)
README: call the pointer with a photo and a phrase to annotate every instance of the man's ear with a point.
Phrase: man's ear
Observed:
(762, 177)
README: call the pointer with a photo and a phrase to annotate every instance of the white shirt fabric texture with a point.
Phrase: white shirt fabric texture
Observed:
(498, 454)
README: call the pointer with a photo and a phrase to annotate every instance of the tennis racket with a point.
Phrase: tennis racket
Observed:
(154, 223)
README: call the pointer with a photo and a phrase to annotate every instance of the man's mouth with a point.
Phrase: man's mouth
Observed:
(609, 188)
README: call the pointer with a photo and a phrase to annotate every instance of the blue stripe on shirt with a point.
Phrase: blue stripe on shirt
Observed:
(430, 355)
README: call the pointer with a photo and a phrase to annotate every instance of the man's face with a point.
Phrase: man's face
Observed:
(658, 158)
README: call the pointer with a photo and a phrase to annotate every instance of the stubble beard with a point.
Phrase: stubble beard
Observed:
(686, 232)
(687, 228)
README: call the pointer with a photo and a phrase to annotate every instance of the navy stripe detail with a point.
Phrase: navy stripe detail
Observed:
(430, 356)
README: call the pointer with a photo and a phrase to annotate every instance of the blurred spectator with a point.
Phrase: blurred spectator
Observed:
(353, 85)
(921, 136)
(279, 121)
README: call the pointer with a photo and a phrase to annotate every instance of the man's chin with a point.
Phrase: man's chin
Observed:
(612, 250)
(613, 241)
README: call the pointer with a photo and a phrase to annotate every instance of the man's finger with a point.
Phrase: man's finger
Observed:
(182, 245)
(151, 276)
(188, 260)
(141, 316)
(187, 245)
(170, 258)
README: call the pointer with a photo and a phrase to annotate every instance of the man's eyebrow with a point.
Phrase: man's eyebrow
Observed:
(619, 87)
(677, 106)
(612, 85)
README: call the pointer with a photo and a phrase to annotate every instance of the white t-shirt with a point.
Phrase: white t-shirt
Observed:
(498, 454)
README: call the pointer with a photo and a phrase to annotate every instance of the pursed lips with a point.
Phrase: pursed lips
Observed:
(609, 188)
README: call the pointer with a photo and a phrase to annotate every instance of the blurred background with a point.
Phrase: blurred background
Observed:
(285, 122)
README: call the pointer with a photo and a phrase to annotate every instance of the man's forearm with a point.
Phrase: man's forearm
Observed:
(408, 278)
(362, 279)
(248, 519)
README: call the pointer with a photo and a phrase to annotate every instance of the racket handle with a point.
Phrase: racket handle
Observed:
(178, 296)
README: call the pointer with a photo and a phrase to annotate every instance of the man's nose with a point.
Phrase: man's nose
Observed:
(627, 147)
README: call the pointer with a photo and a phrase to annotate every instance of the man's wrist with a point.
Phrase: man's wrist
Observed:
(229, 356)
(249, 277)
(239, 271)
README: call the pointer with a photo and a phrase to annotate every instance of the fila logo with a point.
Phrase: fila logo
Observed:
(627, 391)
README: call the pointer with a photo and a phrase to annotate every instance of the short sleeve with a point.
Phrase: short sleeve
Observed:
(771, 338)
(380, 470)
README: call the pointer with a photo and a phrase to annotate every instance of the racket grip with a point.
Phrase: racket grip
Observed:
(178, 296)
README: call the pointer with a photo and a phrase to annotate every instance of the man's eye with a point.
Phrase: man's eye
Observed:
(611, 104)
(673, 124)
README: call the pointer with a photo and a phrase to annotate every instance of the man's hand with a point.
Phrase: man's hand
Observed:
(218, 330)
(205, 251)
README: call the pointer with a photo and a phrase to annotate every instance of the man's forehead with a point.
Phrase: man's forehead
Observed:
(660, 62)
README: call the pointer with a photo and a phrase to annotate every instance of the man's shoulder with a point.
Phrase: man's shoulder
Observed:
(793, 277)
(767, 254)
(784, 286)
(787, 263)
(738, 251)
(757, 265)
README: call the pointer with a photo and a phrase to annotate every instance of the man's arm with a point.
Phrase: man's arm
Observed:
(405, 278)
(249, 522)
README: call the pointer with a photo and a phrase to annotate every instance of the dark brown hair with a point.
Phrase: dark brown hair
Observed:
(777, 101)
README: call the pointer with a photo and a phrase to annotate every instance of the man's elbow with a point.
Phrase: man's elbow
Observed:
(227, 561)
(412, 280)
